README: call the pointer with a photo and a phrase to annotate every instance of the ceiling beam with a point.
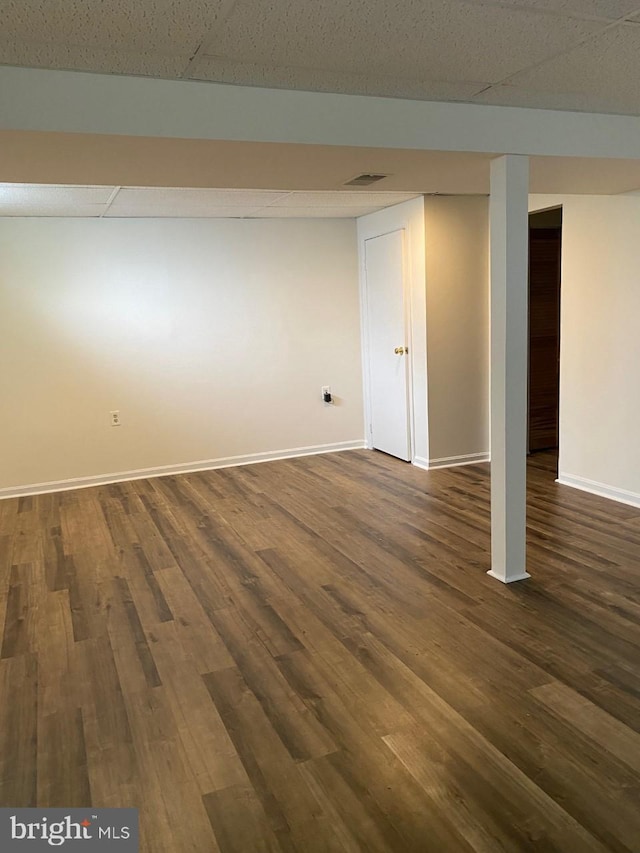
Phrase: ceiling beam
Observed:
(66, 101)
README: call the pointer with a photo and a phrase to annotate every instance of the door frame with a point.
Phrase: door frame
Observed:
(407, 217)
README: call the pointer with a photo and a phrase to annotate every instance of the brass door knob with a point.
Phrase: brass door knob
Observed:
(401, 350)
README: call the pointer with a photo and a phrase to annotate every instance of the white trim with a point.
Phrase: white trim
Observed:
(407, 291)
(454, 461)
(513, 579)
(180, 468)
(421, 462)
(594, 488)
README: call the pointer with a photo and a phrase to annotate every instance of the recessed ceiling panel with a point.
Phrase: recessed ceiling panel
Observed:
(141, 202)
(606, 9)
(170, 26)
(313, 212)
(179, 211)
(342, 199)
(45, 194)
(74, 58)
(162, 201)
(517, 96)
(225, 70)
(439, 40)
(66, 210)
(606, 68)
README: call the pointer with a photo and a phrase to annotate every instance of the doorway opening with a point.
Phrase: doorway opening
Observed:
(545, 254)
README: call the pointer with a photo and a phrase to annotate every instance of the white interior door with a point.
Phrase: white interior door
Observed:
(387, 344)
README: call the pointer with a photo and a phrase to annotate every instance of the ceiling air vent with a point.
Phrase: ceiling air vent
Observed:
(365, 180)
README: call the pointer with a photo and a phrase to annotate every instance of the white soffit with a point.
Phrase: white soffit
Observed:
(85, 160)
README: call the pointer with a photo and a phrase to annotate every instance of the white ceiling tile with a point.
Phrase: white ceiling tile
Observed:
(48, 194)
(178, 198)
(74, 58)
(440, 40)
(223, 70)
(605, 9)
(313, 212)
(170, 26)
(342, 199)
(67, 210)
(606, 70)
(133, 211)
(517, 96)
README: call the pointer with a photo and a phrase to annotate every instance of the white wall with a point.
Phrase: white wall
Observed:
(211, 337)
(408, 216)
(457, 269)
(600, 343)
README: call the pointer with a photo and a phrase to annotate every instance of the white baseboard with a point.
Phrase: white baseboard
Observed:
(420, 462)
(506, 579)
(181, 468)
(465, 459)
(601, 489)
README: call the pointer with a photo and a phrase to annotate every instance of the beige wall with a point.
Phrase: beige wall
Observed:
(211, 337)
(599, 343)
(457, 270)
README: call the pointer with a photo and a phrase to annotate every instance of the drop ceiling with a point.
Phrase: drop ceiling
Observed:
(180, 202)
(556, 54)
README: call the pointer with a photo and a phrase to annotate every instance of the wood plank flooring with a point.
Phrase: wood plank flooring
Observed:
(307, 655)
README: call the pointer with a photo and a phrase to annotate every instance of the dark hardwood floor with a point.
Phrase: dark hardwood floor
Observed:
(307, 655)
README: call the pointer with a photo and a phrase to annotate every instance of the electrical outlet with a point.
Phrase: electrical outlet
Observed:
(115, 418)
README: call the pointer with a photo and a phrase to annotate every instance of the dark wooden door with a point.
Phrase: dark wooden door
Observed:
(544, 336)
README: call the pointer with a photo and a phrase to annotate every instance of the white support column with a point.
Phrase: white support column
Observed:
(509, 228)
